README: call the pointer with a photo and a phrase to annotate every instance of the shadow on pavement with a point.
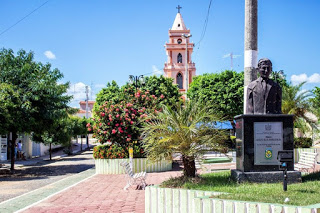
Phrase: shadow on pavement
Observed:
(42, 172)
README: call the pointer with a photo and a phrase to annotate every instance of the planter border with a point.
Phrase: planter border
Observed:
(112, 166)
(192, 201)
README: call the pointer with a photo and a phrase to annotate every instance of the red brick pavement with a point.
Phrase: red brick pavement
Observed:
(101, 193)
(104, 193)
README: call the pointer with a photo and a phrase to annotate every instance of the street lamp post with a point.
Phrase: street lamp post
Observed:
(186, 36)
(134, 80)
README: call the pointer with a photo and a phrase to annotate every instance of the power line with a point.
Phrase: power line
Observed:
(204, 29)
(24, 18)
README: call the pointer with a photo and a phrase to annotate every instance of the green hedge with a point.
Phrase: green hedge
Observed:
(115, 151)
(302, 142)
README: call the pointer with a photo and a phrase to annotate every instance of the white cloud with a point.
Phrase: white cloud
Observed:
(78, 91)
(156, 71)
(49, 54)
(296, 79)
(315, 78)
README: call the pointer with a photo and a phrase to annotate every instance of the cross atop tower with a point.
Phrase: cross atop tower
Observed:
(178, 8)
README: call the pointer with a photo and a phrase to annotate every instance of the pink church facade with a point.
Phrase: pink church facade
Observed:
(178, 50)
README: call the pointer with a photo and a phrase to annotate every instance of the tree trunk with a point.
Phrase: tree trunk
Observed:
(189, 166)
(13, 144)
(70, 148)
(87, 138)
(50, 151)
(81, 144)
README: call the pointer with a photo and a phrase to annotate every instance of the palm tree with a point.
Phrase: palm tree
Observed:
(187, 129)
(296, 101)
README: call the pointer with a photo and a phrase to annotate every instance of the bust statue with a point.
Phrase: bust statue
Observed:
(264, 95)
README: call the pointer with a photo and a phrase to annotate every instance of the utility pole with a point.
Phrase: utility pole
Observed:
(186, 36)
(250, 44)
(87, 99)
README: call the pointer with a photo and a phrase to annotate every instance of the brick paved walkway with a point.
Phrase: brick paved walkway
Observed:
(100, 193)
(104, 193)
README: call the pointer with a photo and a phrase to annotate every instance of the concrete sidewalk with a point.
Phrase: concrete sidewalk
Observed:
(55, 155)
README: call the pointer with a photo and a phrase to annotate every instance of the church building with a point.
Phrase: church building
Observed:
(179, 65)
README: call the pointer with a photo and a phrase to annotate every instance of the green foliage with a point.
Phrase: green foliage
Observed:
(222, 91)
(188, 130)
(118, 112)
(111, 93)
(302, 142)
(60, 132)
(158, 86)
(9, 103)
(280, 79)
(121, 123)
(78, 125)
(113, 151)
(296, 102)
(37, 99)
(162, 87)
(302, 194)
(316, 101)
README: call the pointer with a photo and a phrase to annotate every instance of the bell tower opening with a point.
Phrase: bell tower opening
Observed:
(179, 58)
(180, 81)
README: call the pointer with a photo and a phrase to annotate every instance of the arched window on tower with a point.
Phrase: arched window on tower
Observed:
(179, 58)
(180, 81)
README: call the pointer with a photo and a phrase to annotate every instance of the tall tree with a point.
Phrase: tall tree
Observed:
(163, 86)
(111, 92)
(38, 97)
(222, 92)
(296, 102)
(158, 86)
(188, 129)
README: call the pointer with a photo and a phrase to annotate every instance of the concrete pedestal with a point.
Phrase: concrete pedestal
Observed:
(258, 140)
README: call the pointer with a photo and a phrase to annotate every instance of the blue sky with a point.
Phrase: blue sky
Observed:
(95, 42)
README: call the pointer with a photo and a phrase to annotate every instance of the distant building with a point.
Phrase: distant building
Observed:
(175, 67)
(82, 111)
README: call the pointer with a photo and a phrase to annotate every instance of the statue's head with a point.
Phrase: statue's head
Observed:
(264, 67)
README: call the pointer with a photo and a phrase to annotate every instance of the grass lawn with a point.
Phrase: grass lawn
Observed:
(301, 194)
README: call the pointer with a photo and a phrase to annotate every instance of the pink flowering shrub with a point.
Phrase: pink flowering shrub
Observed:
(121, 123)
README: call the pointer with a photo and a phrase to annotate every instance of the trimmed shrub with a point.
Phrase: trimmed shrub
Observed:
(115, 151)
(302, 142)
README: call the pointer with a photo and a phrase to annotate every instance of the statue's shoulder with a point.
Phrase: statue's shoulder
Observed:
(252, 84)
(275, 84)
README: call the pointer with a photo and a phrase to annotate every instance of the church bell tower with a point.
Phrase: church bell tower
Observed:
(179, 65)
